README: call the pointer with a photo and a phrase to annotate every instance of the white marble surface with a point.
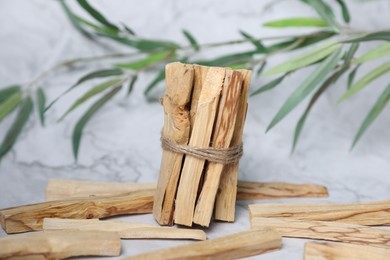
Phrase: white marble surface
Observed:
(121, 143)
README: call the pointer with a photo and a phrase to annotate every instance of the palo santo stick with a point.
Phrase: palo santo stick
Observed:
(222, 135)
(179, 81)
(343, 251)
(60, 245)
(200, 137)
(324, 230)
(369, 213)
(30, 217)
(225, 204)
(269, 190)
(126, 230)
(58, 189)
(244, 244)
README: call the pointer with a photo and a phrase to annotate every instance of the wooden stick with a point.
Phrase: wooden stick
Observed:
(226, 197)
(30, 217)
(179, 81)
(200, 137)
(58, 189)
(60, 245)
(222, 135)
(369, 213)
(244, 244)
(126, 230)
(333, 231)
(343, 251)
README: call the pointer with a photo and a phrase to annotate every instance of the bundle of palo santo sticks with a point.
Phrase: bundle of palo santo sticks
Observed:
(204, 107)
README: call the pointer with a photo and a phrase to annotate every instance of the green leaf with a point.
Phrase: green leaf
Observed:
(41, 100)
(73, 19)
(230, 59)
(96, 14)
(92, 92)
(131, 84)
(270, 85)
(307, 86)
(259, 46)
(89, 76)
(297, 22)
(106, 30)
(315, 55)
(344, 11)
(379, 105)
(376, 53)
(261, 67)
(351, 76)
(17, 126)
(7, 92)
(191, 39)
(375, 36)
(367, 79)
(351, 52)
(9, 105)
(325, 12)
(78, 130)
(160, 77)
(141, 64)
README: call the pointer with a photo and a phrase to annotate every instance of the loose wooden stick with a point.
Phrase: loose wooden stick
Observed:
(60, 245)
(343, 251)
(369, 213)
(200, 137)
(225, 204)
(234, 246)
(125, 230)
(333, 231)
(58, 189)
(179, 82)
(30, 217)
(222, 135)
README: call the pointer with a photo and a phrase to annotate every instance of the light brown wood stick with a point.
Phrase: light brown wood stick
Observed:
(222, 135)
(60, 245)
(200, 137)
(325, 230)
(126, 230)
(179, 82)
(30, 217)
(343, 251)
(369, 213)
(58, 189)
(225, 204)
(244, 244)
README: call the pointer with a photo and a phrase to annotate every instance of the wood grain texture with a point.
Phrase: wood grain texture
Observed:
(200, 137)
(126, 230)
(179, 82)
(225, 204)
(30, 217)
(343, 251)
(60, 245)
(244, 244)
(58, 189)
(222, 135)
(324, 230)
(369, 213)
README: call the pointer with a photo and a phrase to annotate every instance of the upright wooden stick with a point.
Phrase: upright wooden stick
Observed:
(179, 81)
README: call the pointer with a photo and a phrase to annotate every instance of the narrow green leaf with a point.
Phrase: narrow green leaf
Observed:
(191, 39)
(92, 92)
(9, 105)
(131, 84)
(141, 64)
(307, 86)
(7, 92)
(73, 20)
(325, 12)
(17, 126)
(160, 77)
(351, 76)
(351, 52)
(375, 36)
(270, 85)
(376, 53)
(41, 100)
(315, 55)
(78, 130)
(367, 79)
(96, 14)
(128, 29)
(259, 46)
(344, 11)
(379, 105)
(97, 28)
(297, 22)
(261, 67)
(230, 59)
